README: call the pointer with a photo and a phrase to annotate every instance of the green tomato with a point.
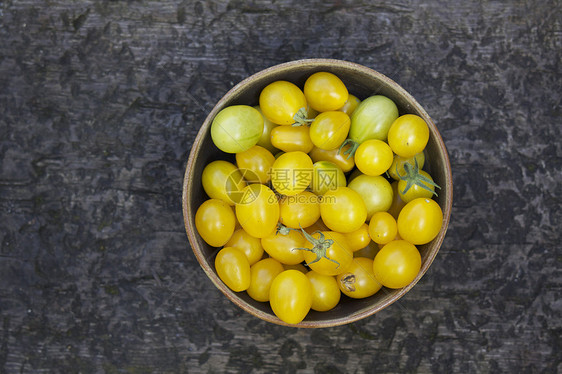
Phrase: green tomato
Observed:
(237, 128)
(372, 119)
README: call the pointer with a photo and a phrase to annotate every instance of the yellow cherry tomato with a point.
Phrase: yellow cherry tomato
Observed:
(283, 103)
(397, 203)
(420, 221)
(408, 135)
(290, 296)
(215, 221)
(329, 130)
(359, 281)
(369, 251)
(359, 238)
(327, 252)
(317, 226)
(248, 244)
(255, 164)
(300, 210)
(292, 138)
(233, 269)
(265, 138)
(334, 156)
(415, 190)
(325, 291)
(300, 267)
(258, 210)
(350, 105)
(373, 157)
(397, 167)
(382, 228)
(282, 244)
(222, 180)
(291, 173)
(262, 274)
(397, 264)
(325, 91)
(326, 176)
(343, 210)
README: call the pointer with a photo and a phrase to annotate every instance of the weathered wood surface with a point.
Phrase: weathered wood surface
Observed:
(100, 102)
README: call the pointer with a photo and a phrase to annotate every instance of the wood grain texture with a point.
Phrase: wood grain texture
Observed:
(100, 102)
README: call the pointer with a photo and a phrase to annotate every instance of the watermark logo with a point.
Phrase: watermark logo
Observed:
(318, 181)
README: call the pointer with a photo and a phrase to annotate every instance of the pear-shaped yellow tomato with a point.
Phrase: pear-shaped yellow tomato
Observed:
(265, 138)
(382, 227)
(283, 103)
(233, 269)
(343, 210)
(281, 245)
(291, 173)
(262, 274)
(299, 267)
(246, 243)
(290, 296)
(325, 91)
(329, 129)
(350, 105)
(236, 128)
(397, 264)
(359, 281)
(255, 164)
(335, 156)
(222, 180)
(325, 291)
(300, 210)
(215, 221)
(397, 203)
(359, 238)
(258, 210)
(292, 138)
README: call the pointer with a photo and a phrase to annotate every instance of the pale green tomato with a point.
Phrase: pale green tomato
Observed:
(376, 192)
(237, 128)
(372, 119)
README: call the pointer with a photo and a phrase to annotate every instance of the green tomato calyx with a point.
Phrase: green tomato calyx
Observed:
(301, 117)
(282, 229)
(320, 246)
(351, 151)
(414, 177)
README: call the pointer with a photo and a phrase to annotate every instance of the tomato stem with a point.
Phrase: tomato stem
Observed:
(319, 247)
(282, 229)
(351, 151)
(301, 117)
(414, 177)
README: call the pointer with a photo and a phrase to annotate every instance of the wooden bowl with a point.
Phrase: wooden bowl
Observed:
(362, 82)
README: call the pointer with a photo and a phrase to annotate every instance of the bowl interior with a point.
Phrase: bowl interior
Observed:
(362, 82)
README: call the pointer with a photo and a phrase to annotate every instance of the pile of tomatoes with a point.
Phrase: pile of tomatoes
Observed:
(327, 196)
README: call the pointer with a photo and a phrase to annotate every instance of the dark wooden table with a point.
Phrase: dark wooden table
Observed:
(100, 102)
